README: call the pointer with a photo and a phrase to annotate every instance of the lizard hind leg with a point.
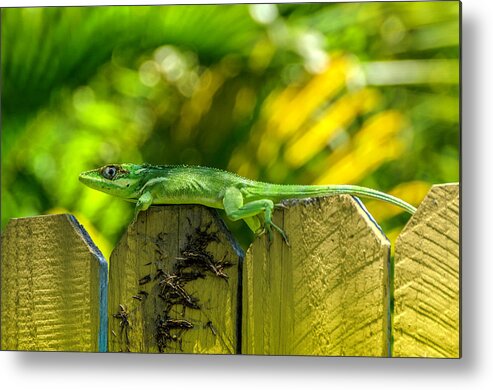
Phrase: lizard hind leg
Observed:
(268, 223)
(235, 210)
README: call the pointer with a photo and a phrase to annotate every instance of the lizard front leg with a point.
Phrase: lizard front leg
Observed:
(235, 210)
(143, 203)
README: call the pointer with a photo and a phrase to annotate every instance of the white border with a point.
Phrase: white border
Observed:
(124, 371)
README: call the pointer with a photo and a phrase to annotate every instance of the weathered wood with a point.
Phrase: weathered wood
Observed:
(53, 287)
(327, 294)
(426, 279)
(174, 284)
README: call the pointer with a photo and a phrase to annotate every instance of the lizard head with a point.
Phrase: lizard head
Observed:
(122, 180)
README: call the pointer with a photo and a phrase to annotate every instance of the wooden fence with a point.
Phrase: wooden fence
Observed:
(179, 283)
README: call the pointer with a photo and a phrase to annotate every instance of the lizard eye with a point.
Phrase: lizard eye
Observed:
(109, 172)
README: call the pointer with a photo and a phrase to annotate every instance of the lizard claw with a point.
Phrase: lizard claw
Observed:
(268, 230)
(284, 237)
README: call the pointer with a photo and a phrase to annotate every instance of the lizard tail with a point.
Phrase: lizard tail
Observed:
(278, 192)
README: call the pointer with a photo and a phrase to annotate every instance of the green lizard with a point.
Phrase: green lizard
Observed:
(239, 197)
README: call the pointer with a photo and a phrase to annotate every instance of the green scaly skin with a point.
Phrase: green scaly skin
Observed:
(239, 197)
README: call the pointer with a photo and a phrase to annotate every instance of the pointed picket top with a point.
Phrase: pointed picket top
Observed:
(426, 280)
(54, 283)
(326, 294)
(174, 284)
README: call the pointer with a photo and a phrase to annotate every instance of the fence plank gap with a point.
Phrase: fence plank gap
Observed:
(54, 283)
(426, 279)
(174, 284)
(326, 294)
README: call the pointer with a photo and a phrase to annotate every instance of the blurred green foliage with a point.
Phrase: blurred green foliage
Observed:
(363, 93)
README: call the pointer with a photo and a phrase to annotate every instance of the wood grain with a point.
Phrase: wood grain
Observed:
(426, 315)
(202, 312)
(327, 294)
(53, 287)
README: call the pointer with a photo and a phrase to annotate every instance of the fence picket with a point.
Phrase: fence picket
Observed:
(174, 284)
(426, 279)
(53, 287)
(326, 294)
